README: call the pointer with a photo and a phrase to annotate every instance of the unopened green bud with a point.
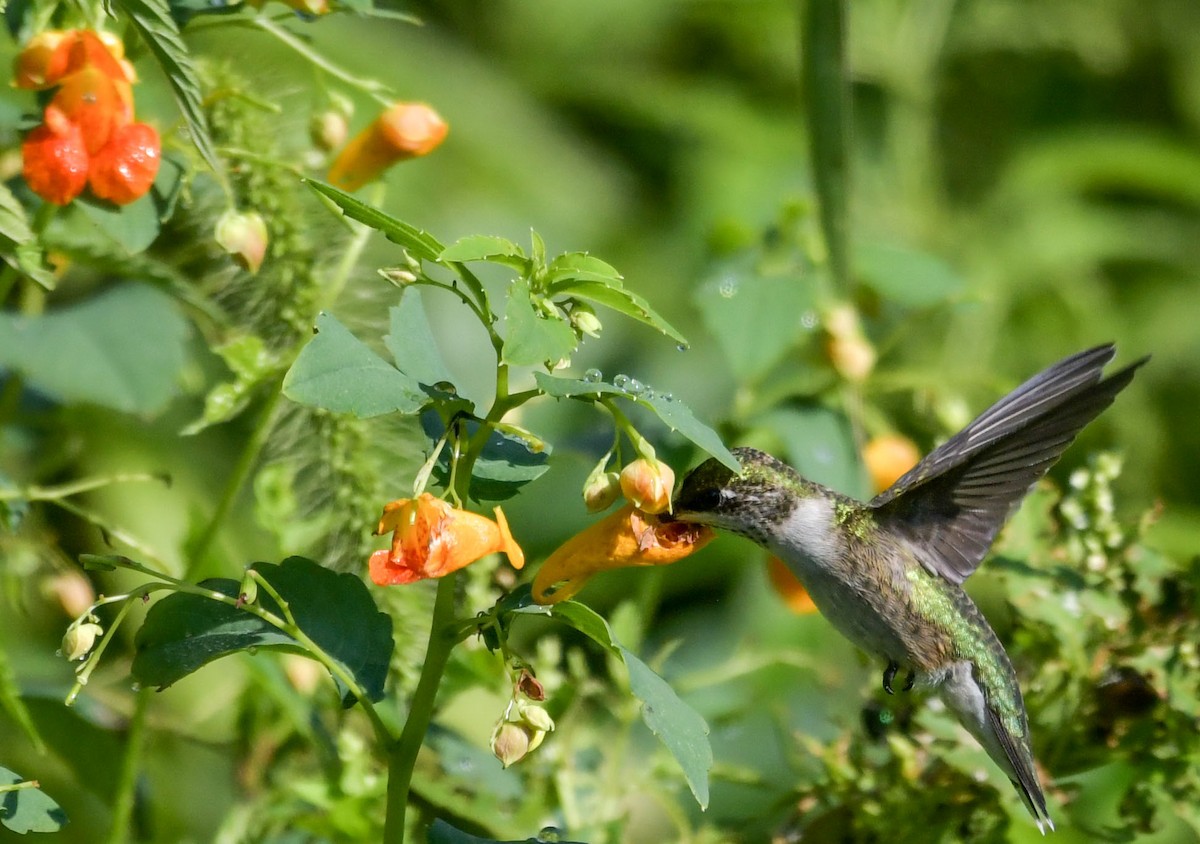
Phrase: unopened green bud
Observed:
(601, 490)
(585, 321)
(78, 641)
(398, 276)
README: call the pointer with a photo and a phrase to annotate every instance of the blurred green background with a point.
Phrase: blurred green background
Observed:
(1026, 183)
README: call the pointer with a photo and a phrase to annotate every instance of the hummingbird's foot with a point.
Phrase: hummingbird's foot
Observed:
(889, 674)
(909, 680)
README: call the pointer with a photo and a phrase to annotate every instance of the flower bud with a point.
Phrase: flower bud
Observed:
(78, 641)
(510, 743)
(852, 357)
(248, 590)
(530, 686)
(398, 276)
(328, 130)
(648, 484)
(536, 718)
(601, 490)
(244, 236)
(584, 320)
(888, 458)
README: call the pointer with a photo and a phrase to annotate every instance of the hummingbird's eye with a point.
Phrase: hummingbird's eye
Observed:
(709, 499)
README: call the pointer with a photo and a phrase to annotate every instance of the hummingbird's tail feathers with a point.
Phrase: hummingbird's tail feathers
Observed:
(1025, 780)
(970, 484)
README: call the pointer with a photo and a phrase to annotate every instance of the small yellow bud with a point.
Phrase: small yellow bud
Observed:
(536, 718)
(78, 641)
(648, 484)
(584, 319)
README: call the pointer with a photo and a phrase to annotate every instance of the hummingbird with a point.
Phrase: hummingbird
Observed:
(888, 573)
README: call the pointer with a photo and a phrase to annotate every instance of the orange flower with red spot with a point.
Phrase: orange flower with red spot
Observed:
(405, 130)
(431, 538)
(89, 125)
(628, 537)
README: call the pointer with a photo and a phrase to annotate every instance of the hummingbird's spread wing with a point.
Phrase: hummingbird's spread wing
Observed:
(954, 501)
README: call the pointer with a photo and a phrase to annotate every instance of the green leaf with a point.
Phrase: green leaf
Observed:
(443, 833)
(411, 341)
(580, 265)
(572, 613)
(611, 294)
(420, 243)
(478, 247)
(676, 724)
(820, 445)
(755, 318)
(123, 348)
(28, 809)
(158, 29)
(674, 413)
(506, 463)
(827, 108)
(533, 338)
(907, 276)
(19, 246)
(337, 371)
(184, 632)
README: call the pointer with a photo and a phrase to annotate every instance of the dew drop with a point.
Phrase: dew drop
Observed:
(548, 834)
(593, 375)
(667, 397)
(635, 387)
(808, 320)
(136, 687)
(728, 287)
(682, 347)
(622, 381)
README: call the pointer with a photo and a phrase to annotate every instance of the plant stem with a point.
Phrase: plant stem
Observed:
(403, 755)
(233, 486)
(123, 803)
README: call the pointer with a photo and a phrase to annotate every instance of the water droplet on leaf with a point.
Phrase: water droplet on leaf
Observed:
(548, 834)
(635, 387)
(593, 375)
(728, 287)
(681, 347)
(621, 381)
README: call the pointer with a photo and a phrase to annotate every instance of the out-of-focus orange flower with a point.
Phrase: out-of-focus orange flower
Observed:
(405, 130)
(648, 484)
(789, 587)
(40, 63)
(92, 109)
(90, 100)
(888, 458)
(126, 167)
(628, 537)
(430, 538)
(54, 159)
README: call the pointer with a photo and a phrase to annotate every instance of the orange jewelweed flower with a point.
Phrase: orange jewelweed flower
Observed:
(431, 538)
(628, 537)
(789, 587)
(405, 130)
(41, 63)
(888, 458)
